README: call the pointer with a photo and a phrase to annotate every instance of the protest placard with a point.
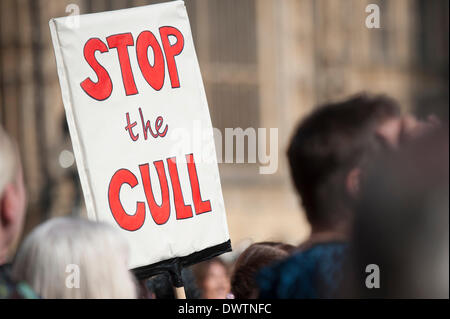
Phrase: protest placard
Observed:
(129, 79)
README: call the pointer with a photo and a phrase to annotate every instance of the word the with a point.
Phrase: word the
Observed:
(153, 74)
(159, 212)
(146, 127)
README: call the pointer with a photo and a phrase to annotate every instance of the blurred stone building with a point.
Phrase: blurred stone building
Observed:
(265, 64)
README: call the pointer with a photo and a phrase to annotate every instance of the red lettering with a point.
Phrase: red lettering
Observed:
(101, 89)
(154, 75)
(171, 51)
(182, 210)
(160, 213)
(129, 128)
(128, 222)
(158, 123)
(121, 43)
(146, 126)
(200, 205)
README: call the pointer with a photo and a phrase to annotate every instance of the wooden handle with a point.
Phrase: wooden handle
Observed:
(179, 293)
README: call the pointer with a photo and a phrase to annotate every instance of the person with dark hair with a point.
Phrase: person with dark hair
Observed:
(326, 158)
(161, 286)
(212, 278)
(400, 242)
(252, 260)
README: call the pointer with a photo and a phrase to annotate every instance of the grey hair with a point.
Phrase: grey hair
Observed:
(97, 249)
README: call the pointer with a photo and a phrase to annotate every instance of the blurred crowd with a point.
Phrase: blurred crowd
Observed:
(372, 180)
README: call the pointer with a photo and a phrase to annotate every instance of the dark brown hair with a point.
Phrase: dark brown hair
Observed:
(327, 144)
(253, 259)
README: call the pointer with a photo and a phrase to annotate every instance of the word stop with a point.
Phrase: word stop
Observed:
(153, 72)
(159, 212)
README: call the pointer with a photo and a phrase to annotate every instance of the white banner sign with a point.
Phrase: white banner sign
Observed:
(132, 90)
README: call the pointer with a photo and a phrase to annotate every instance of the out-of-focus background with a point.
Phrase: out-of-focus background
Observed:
(265, 63)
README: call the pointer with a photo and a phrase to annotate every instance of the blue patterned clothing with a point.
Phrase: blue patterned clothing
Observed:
(13, 290)
(314, 273)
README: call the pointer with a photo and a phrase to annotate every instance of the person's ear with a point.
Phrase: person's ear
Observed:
(389, 132)
(8, 205)
(352, 182)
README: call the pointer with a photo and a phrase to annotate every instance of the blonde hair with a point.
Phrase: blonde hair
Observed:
(8, 160)
(47, 256)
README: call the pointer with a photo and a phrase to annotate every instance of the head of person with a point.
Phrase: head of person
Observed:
(68, 257)
(327, 153)
(12, 195)
(250, 262)
(161, 286)
(400, 241)
(212, 278)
